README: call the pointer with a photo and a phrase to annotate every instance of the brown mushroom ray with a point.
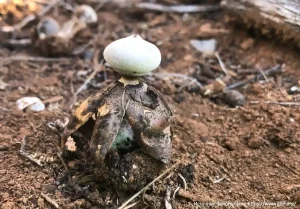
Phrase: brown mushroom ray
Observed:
(85, 111)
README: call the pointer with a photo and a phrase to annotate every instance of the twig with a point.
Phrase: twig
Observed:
(218, 180)
(81, 49)
(66, 6)
(34, 59)
(223, 67)
(167, 198)
(100, 5)
(133, 204)
(4, 109)
(28, 19)
(193, 197)
(247, 71)
(27, 155)
(48, 199)
(263, 74)
(278, 103)
(63, 162)
(147, 186)
(17, 42)
(178, 8)
(184, 181)
(216, 68)
(40, 1)
(270, 72)
(176, 190)
(167, 75)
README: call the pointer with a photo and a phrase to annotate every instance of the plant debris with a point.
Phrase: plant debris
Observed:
(31, 103)
(207, 47)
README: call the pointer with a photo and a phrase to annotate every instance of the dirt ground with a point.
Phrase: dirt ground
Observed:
(238, 155)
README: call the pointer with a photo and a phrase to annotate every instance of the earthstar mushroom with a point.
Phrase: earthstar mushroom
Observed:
(132, 119)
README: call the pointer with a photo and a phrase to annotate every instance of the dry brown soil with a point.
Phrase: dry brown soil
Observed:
(246, 154)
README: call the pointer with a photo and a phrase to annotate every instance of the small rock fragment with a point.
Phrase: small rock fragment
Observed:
(233, 98)
(47, 27)
(41, 202)
(179, 98)
(8, 205)
(49, 188)
(255, 142)
(230, 144)
(247, 44)
(88, 54)
(188, 173)
(294, 90)
(296, 197)
(3, 147)
(3, 85)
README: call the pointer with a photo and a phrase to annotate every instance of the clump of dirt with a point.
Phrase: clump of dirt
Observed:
(132, 171)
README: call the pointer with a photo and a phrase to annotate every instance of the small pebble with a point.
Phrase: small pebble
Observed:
(87, 54)
(230, 144)
(48, 27)
(18, 193)
(296, 197)
(49, 188)
(179, 98)
(247, 44)
(233, 98)
(194, 89)
(11, 183)
(3, 147)
(8, 205)
(255, 143)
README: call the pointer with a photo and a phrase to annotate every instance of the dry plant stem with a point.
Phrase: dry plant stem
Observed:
(28, 19)
(263, 74)
(216, 68)
(167, 198)
(63, 162)
(175, 192)
(100, 5)
(27, 155)
(223, 67)
(192, 197)
(81, 49)
(219, 180)
(132, 205)
(33, 59)
(184, 181)
(278, 103)
(178, 8)
(167, 75)
(18, 42)
(147, 186)
(270, 72)
(49, 200)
